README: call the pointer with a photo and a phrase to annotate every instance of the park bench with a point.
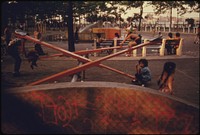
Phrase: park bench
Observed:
(153, 46)
(109, 43)
(159, 46)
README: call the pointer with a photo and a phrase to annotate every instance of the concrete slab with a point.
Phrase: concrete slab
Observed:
(98, 108)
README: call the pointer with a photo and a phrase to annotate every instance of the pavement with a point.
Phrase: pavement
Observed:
(186, 82)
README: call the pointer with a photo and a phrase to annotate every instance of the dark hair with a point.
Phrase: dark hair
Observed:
(178, 34)
(140, 35)
(169, 67)
(144, 61)
(170, 35)
(117, 35)
(98, 35)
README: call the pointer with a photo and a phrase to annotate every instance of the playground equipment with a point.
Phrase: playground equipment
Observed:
(108, 33)
(94, 107)
(82, 67)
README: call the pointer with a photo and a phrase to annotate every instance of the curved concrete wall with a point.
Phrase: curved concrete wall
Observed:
(96, 107)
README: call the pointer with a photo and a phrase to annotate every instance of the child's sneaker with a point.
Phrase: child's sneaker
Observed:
(134, 81)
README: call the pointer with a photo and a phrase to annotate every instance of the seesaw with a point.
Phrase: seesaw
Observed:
(90, 63)
(22, 34)
(84, 52)
(96, 108)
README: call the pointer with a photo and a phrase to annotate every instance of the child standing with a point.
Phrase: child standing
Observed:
(143, 73)
(14, 51)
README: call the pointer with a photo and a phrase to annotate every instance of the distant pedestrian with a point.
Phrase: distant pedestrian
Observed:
(143, 73)
(160, 34)
(165, 81)
(76, 35)
(99, 40)
(197, 37)
(196, 41)
(117, 37)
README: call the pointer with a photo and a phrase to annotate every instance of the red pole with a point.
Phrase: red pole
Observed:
(85, 66)
(65, 52)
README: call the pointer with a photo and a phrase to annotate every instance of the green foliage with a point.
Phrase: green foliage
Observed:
(92, 10)
(183, 7)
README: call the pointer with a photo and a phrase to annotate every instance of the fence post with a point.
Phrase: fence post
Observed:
(115, 44)
(194, 30)
(83, 72)
(179, 49)
(144, 49)
(76, 76)
(135, 52)
(162, 49)
(95, 47)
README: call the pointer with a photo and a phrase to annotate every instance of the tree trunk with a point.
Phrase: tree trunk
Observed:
(170, 25)
(140, 19)
(71, 46)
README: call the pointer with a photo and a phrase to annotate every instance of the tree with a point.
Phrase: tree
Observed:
(135, 4)
(70, 27)
(114, 9)
(136, 17)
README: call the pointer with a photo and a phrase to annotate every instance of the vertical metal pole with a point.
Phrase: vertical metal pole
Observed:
(75, 76)
(115, 45)
(95, 47)
(83, 72)
(144, 51)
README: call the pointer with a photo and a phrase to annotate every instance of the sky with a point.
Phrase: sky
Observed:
(150, 9)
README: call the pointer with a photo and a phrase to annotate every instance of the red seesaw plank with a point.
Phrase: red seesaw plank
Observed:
(82, 52)
(85, 66)
(65, 52)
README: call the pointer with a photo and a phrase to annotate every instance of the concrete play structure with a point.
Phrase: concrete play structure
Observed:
(97, 107)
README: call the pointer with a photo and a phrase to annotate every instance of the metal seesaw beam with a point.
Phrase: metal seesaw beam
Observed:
(67, 53)
(85, 66)
(83, 52)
